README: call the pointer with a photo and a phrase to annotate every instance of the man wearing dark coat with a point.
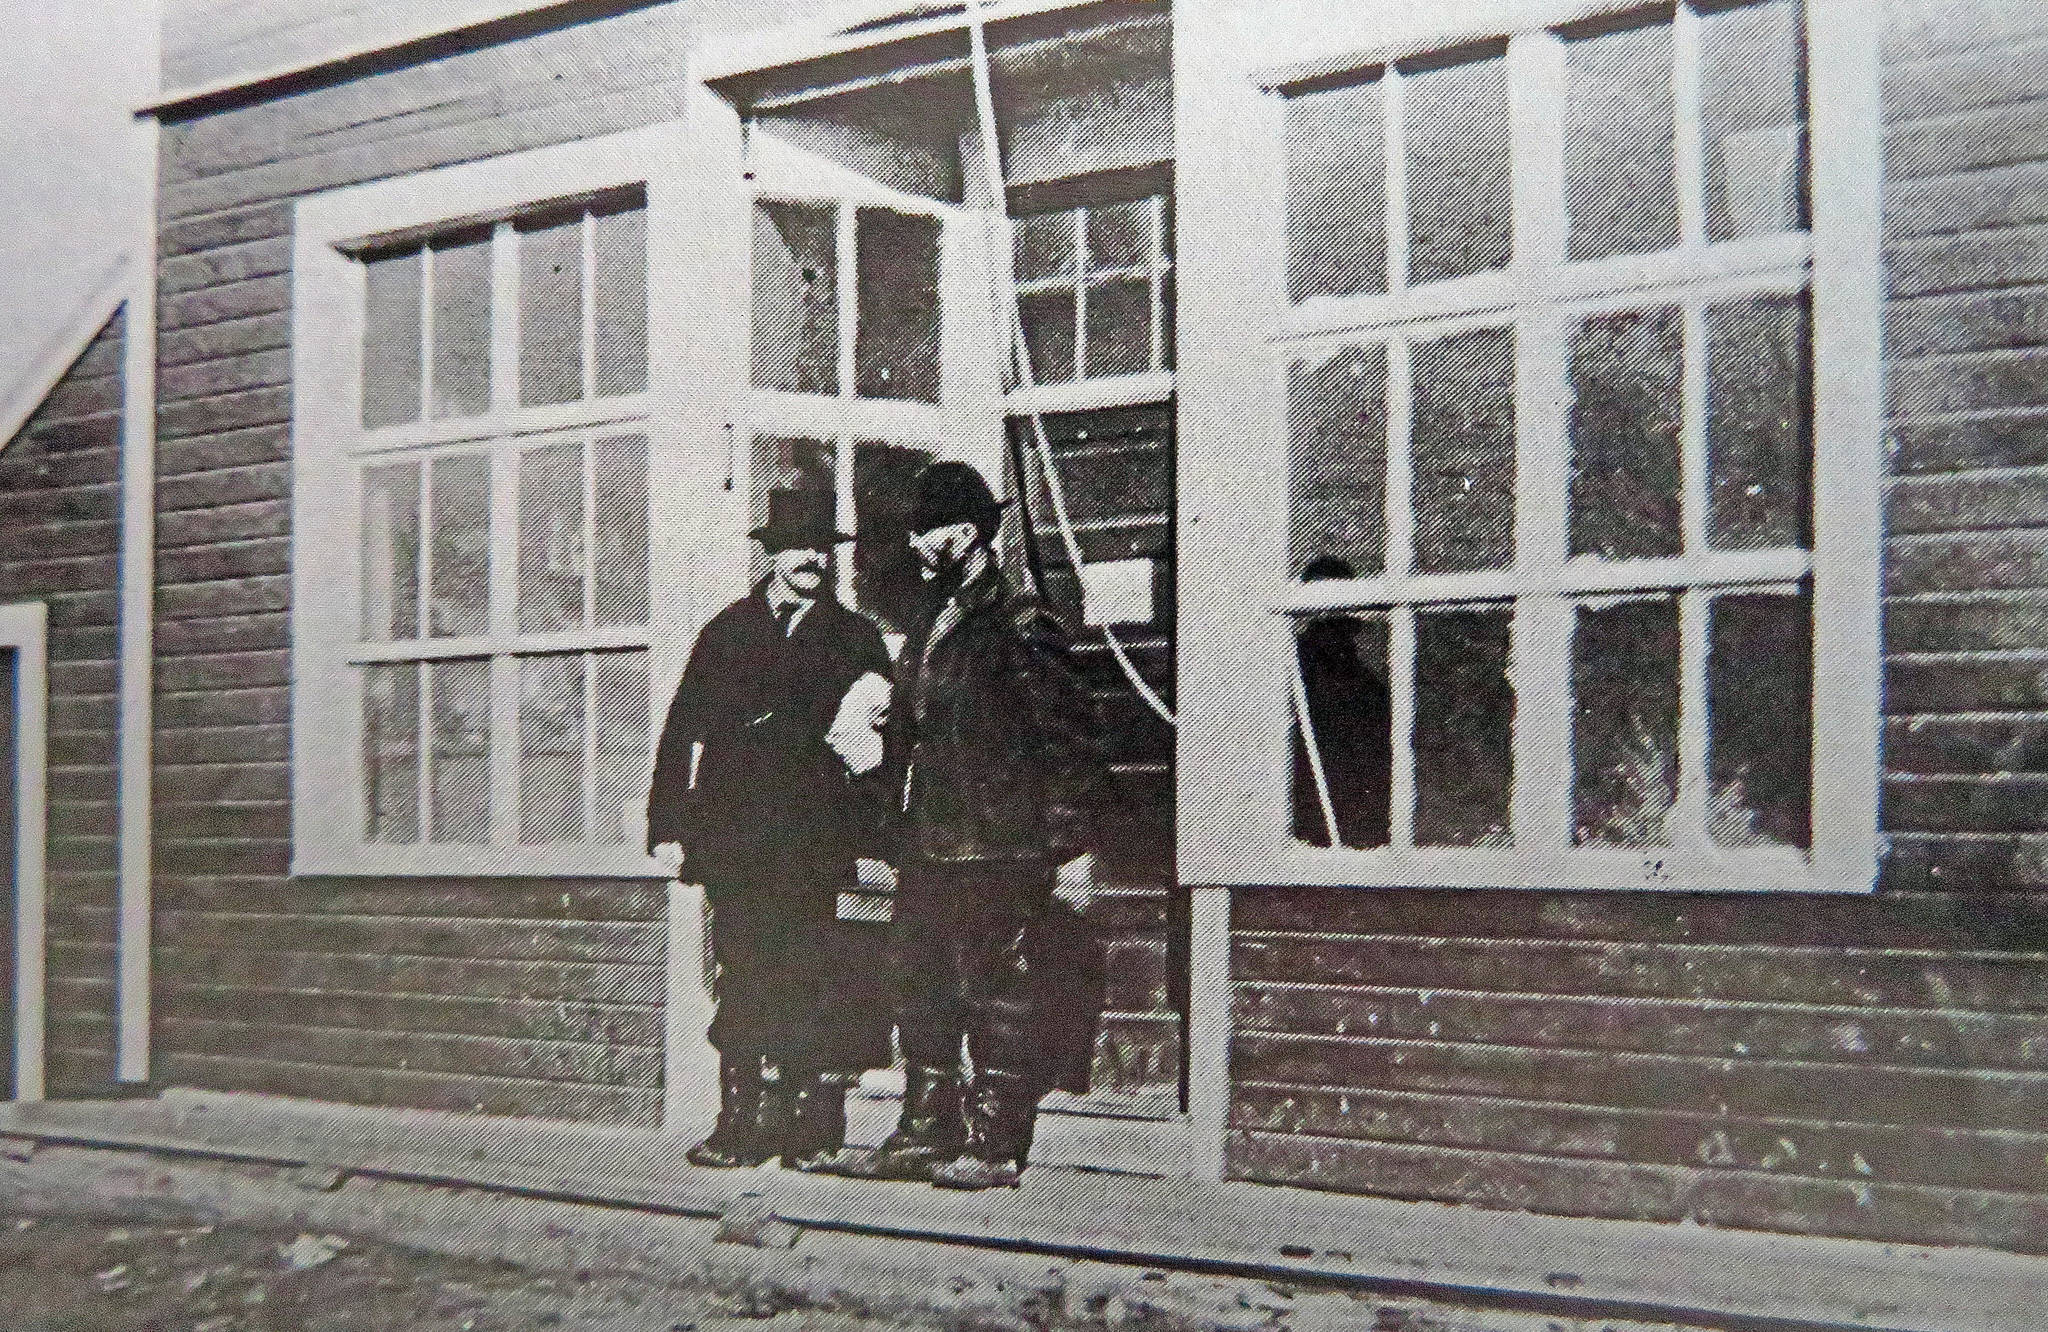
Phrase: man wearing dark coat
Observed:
(993, 770)
(748, 788)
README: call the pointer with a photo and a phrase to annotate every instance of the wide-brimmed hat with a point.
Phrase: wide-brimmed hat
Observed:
(953, 492)
(800, 519)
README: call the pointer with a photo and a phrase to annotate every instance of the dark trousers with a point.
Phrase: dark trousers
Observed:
(960, 966)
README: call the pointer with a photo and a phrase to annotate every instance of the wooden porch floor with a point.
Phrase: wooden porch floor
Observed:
(1569, 1267)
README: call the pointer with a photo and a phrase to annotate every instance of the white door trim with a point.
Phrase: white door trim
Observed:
(24, 627)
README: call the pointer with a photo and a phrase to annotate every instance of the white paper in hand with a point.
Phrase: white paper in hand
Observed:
(856, 733)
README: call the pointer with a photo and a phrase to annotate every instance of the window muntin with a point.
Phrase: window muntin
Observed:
(1561, 477)
(502, 476)
(846, 300)
(1095, 289)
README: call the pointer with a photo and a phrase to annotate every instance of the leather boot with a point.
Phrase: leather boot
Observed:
(1002, 1110)
(928, 1133)
(816, 1127)
(736, 1139)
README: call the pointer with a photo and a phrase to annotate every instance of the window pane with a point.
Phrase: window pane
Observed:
(1464, 728)
(621, 530)
(391, 752)
(462, 545)
(1464, 451)
(796, 298)
(1759, 418)
(622, 746)
(462, 327)
(886, 582)
(1337, 461)
(1620, 164)
(1119, 327)
(1760, 720)
(1336, 192)
(1343, 662)
(461, 798)
(1120, 235)
(550, 749)
(1753, 119)
(391, 552)
(1043, 246)
(1460, 182)
(551, 312)
(552, 561)
(391, 339)
(1626, 375)
(620, 302)
(1049, 334)
(1625, 722)
(788, 462)
(896, 346)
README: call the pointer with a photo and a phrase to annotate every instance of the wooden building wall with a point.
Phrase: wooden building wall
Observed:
(1858, 1066)
(60, 544)
(515, 996)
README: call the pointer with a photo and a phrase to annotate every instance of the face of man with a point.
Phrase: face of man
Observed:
(942, 547)
(801, 569)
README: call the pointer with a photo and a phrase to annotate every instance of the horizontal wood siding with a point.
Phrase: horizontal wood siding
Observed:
(60, 544)
(535, 997)
(1875, 1066)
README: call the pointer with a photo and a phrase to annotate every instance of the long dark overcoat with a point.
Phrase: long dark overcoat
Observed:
(765, 815)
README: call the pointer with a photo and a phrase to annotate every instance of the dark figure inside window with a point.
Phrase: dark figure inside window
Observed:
(1343, 659)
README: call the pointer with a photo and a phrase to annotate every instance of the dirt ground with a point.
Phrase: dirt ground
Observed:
(70, 1276)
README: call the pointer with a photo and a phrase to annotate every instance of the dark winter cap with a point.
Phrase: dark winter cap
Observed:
(953, 492)
(800, 520)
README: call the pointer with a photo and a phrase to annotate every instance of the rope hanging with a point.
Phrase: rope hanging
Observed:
(1020, 351)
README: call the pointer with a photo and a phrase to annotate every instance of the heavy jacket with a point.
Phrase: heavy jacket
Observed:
(991, 751)
(767, 788)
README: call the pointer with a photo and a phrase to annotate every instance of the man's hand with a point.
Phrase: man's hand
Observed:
(1075, 883)
(669, 855)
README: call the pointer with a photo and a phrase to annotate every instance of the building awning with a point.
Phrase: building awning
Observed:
(1080, 88)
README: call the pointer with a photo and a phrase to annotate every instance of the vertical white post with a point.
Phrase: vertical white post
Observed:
(689, 1070)
(137, 631)
(24, 628)
(1209, 1024)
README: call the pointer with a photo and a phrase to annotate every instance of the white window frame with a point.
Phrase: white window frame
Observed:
(1235, 746)
(964, 422)
(25, 628)
(328, 813)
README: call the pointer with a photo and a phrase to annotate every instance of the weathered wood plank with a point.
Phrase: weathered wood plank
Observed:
(400, 1087)
(627, 944)
(1975, 261)
(1989, 136)
(1985, 622)
(478, 899)
(1957, 1040)
(1969, 502)
(573, 1061)
(1964, 804)
(1992, 983)
(1563, 1186)
(1934, 923)
(1971, 382)
(638, 1025)
(1859, 1152)
(229, 560)
(475, 978)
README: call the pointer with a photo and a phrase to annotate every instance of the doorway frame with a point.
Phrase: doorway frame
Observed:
(24, 628)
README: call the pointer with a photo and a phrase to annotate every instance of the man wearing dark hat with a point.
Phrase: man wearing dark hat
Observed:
(748, 789)
(992, 765)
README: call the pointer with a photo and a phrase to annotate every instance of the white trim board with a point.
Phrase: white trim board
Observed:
(24, 627)
(64, 347)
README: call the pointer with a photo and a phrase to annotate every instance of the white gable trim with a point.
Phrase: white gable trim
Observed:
(24, 627)
(64, 347)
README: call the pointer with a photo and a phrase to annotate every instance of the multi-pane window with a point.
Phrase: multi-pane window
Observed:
(502, 471)
(1095, 289)
(846, 301)
(847, 330)
(1547, 372)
